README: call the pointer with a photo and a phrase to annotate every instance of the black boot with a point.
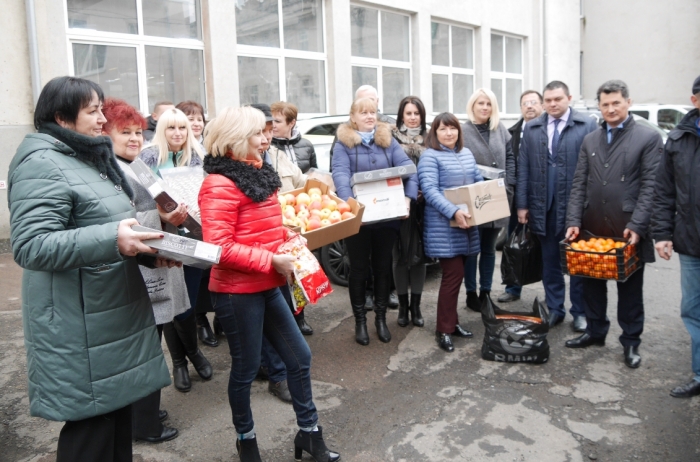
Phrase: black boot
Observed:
(186, 330)
(361, 335)
(204, 332)
(380, 323)
(248, 450)
(303, 326)
(403, 310)
(313, 444)
(181, 376)
(473, 302)
(416, 315)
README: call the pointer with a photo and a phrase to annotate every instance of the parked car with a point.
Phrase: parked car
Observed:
(666, 116)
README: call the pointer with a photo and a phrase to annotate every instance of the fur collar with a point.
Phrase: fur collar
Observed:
(93, 150)
(350, 138)
(257, 184)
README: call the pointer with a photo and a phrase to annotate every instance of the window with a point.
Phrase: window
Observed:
(381, 54)
(507, 72)
(142, 52)
(281, 53)
(668, 118)
(453, 67)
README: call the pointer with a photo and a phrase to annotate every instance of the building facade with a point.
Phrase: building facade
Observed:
(313, 53)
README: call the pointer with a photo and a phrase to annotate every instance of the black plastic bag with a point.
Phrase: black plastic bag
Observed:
(515, 337)
(521, 261)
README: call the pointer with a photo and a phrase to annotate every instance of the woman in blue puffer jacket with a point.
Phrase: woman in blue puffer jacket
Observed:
(364, 145)
(447, 164)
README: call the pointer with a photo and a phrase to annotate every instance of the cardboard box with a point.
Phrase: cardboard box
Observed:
(485, 201)
(384, 200)
(189, 251)
(324, 236)
(491, 173)
(403, 171)
(169, 199)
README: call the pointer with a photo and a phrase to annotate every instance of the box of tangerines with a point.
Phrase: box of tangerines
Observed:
(599, 257)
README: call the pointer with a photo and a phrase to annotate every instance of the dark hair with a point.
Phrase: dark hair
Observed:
(421, 109)
(190, 108)
(613, 86)
(554, 84)
(530, 92)
(64, 97)
(431, 141)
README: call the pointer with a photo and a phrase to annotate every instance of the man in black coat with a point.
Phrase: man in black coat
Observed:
(676, 223)
(612, 196)
(530, 108)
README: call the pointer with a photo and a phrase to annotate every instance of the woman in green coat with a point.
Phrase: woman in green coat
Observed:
(91, 341)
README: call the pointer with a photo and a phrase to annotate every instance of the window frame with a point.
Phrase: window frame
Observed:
(449, 70)
(504, 75)
(379, 63)
(139, 41)
(280, 54)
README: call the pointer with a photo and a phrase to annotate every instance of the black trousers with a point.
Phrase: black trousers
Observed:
(377, 243)
(144, 412)
(630, 308)
(103, 438)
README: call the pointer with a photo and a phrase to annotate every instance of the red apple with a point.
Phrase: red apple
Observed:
(315, 191)
(335, 217)
(344, 207)
(329, 204)
(347, 215)
(290, 198)
(315, 205)
(313, 224)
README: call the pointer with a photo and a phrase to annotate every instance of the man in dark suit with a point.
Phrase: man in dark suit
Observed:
(530, 108)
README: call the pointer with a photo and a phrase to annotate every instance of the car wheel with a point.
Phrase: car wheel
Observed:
(336, 264)
(501, 238)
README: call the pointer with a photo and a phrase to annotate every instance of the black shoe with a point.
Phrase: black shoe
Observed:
(218, 328)
(444, 341)
(361, 335)
(393, 302)
(507, 297)
(313, 444)
(555, 319)
(280, 390)
(632, 358)
(461, 332)
(201, 365)
(579, 324)
(380, 324)
(181, 378)
(402, 320)
(369, 302)
(206, 336)
(414, 309)
(688, 390)
(473, 302)
(248, 450)
(162, 415)
(263, 374)
(584, 341)
(304, 327)
(166, 434)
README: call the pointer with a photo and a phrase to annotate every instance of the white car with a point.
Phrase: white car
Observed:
(666, 116)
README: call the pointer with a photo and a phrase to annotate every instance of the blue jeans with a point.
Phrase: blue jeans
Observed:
(245, 318)
(486, 262)
(690, 305)
(269, 357)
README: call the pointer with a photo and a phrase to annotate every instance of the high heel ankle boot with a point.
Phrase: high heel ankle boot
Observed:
(403, 310)
(361, 335)
(380, 323)
(313, 444)
(181, 376)
(248, 450)
(416, 315)
(187, 332)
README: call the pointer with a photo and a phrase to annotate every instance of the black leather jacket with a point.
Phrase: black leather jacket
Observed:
(302, 148)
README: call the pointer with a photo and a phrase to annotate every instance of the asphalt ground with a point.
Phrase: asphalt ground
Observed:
(410, 401)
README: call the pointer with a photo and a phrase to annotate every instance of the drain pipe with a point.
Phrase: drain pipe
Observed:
(33, 50)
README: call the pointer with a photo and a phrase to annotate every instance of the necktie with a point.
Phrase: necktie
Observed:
(612, 133)
(555, 140)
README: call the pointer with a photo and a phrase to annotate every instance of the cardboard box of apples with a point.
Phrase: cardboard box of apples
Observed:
(319, 215)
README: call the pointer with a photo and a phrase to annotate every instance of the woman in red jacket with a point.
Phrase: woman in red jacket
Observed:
(241, 213)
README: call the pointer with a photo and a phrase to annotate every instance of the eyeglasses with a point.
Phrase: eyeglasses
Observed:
(530, 103)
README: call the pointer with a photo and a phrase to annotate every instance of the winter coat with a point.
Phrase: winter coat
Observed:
(437, 171)
(166, 286)
(150, 132)
(677, 203)
(351, 156)
(289, 173)
(613, 186)
(494, 152)
(531, 187)
(150, 155)
(301, 148)
(240, 212)
(92, 346)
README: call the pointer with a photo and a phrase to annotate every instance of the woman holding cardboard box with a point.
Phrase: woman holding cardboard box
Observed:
(364, 145)
(447, 164)
(489, 141)
(241, 213)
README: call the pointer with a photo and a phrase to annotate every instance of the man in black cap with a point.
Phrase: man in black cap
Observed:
(676, 223)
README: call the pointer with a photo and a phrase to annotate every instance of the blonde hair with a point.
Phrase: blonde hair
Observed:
(359, 105)
(175, 117)
(495, 118)
(231, 130)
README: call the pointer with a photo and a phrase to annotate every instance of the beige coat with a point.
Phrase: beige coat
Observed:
(289, 173)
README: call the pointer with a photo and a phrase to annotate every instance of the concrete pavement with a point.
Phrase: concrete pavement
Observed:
(409, 401)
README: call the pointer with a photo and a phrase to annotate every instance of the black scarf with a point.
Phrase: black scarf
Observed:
(93, 150)
(256, 183)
